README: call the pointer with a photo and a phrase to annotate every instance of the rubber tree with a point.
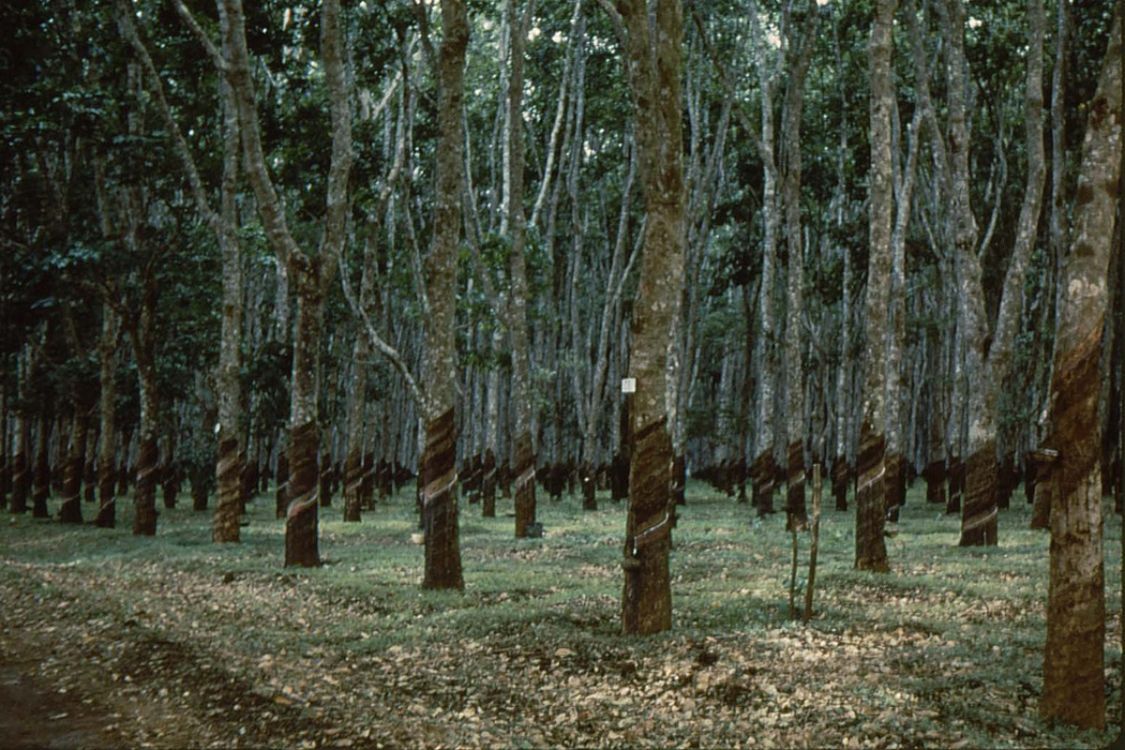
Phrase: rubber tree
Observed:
(310, 274)
(653, 67)
(438, 470)
(223, 224)
(1073, 663)
(870, 550)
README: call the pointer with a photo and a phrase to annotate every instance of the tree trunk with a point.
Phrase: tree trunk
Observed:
(301, 540)
(653, 63)
(978, 520)
(438, 471)
(41, 479)
(764, 467)
(169, 474)
(313, 273)
(871, 552)
(90, 466)
(524, 457)
(71, 509)
(801, 46)
(1073, 664)
(21, 476)
(148, 457)
(228, 466)
(979, 514)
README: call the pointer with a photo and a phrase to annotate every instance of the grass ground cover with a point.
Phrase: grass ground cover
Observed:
(176, 642)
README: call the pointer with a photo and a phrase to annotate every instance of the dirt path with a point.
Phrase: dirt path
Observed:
(37, 716)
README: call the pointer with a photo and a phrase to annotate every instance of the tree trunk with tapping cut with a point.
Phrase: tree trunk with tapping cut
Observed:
(653, 65)
(438, 470)
(71, 509)
(228, 465)
(302, 496)
(148, 456)
(989, 359)
(763, 467)
(801, 46)
(1073, 664)
(524, 456)
(870, 550)
(313, 273)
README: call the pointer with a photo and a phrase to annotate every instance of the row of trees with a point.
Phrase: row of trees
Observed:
(310, 242)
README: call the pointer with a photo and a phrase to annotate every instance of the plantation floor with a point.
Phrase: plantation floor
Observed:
(173, 642)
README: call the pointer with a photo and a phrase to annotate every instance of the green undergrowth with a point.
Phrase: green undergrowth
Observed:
(946, 649)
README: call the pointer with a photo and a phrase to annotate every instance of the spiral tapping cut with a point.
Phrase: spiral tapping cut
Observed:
(439, 506)
(871, 553)
(1073, 685)
(525, 485)
(647, 606)
(144, 522)
(978, 521)
(225, 527)
(762, 473)
(301, 512)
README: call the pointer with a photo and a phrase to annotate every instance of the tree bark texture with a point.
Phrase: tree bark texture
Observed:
(1073, 664)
